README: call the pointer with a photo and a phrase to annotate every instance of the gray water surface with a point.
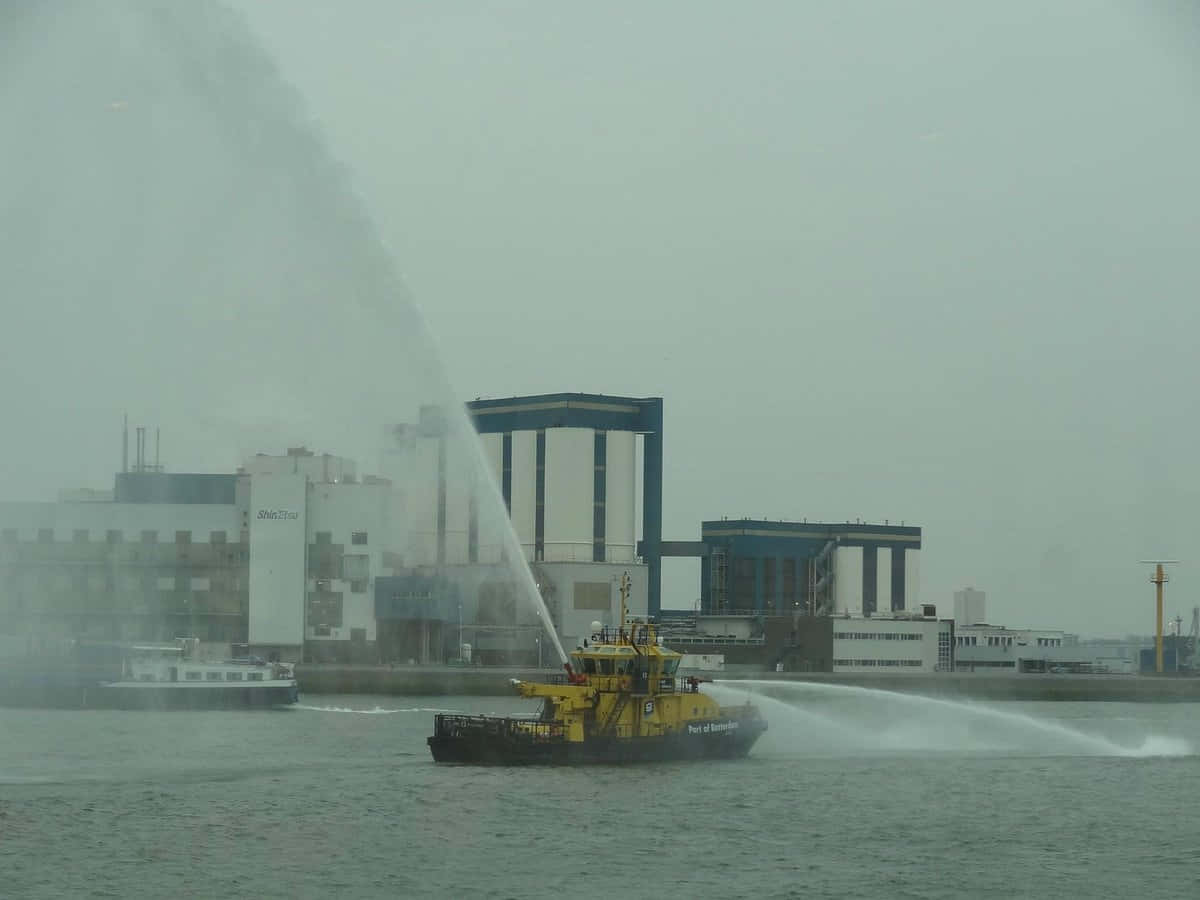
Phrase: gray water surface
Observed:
(843, 799)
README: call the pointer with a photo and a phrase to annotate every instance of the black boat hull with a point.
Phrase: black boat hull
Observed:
(708, 740)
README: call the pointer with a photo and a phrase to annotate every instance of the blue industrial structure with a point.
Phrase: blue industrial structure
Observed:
(640, 415)
(780, 567)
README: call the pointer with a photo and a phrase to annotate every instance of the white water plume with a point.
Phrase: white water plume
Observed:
(186, 248)
(866, 720)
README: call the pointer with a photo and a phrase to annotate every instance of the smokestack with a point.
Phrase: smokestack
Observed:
(125, 445)
(157, 447)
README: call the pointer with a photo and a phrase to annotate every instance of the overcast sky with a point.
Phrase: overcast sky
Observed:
(929, 262)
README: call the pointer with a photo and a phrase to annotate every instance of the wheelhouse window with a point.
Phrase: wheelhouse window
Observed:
(606, 666)
(233, 676)
(212, 676)
(254, 676)
(192, 676)
(670, 665)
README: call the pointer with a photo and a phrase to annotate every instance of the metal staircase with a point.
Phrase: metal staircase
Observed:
(614, 714)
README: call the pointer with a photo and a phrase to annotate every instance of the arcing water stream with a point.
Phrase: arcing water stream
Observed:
(851, 719)
(185, 244)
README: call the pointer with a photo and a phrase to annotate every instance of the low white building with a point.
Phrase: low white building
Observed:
(995, 648)
(892, 644)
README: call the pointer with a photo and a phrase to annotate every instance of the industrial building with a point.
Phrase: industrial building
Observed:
(277, 555)
(902, 643)
(298, 556)
(980, 647)
(759, 566)
(811, 596)
(565, 466)
(970, 607)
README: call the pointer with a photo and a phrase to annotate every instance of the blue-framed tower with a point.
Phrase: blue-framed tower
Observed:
(602, 414)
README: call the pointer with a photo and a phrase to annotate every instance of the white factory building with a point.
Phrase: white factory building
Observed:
(300, 555)
(893, 644)
(994, 648)
(565, 468)
(281, 553)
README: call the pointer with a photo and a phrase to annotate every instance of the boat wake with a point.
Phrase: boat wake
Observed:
(850, 719)
(375, 711)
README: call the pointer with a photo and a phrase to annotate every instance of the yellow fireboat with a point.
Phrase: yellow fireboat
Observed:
(619, 701)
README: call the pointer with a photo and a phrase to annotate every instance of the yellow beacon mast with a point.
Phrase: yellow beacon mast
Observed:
(1158, 579)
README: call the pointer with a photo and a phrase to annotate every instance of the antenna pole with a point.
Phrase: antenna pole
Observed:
(1158, 580)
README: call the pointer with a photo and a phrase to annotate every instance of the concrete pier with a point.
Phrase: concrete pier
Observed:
(494, 681)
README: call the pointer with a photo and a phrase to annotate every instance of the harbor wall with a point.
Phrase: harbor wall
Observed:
(494, 681)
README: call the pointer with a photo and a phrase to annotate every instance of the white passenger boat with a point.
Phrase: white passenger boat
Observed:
(170, 677)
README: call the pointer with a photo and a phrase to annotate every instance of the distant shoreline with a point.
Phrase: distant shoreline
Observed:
(494, 681)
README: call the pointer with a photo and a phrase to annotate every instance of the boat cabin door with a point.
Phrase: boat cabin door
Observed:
(641, 678)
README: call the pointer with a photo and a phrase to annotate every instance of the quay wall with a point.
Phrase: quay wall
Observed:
(494, 681)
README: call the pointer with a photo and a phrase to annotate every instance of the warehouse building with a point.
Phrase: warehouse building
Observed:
(278, 555)
(757, 566)
(565, 469)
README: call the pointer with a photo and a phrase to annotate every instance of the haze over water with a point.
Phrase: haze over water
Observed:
(323, 801)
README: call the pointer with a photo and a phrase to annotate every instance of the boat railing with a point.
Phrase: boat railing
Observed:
(532, 730)
(682, 685)
(638, 633)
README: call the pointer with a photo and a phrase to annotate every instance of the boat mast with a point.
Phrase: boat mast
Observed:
(625, 581)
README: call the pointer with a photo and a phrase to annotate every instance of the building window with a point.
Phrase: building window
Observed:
(599, 495)
(358, 586)
(506, 470)
(358, 538)
(254, 676)
(216, 537)
(192, 676)
(233, 676)
(325, 609)
(212, 676)
(183, 537)
(539, 497)
(768, 564)
(324, 537)
(355, 566)
(473, 527)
